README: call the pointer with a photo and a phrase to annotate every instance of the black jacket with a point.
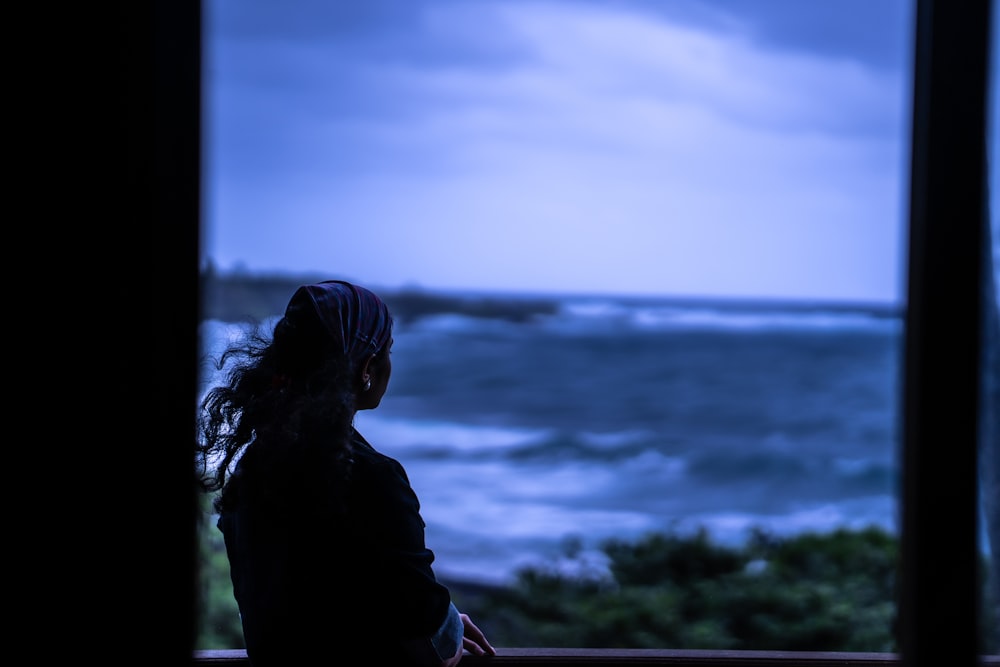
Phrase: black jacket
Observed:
(315, 585)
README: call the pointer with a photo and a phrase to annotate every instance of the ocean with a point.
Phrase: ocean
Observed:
(529, 443)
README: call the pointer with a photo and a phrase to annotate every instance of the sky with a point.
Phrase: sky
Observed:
(737, 148)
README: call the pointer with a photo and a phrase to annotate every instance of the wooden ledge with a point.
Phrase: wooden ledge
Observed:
(596, 657)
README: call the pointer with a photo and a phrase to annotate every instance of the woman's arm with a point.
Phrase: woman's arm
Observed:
(410, 593)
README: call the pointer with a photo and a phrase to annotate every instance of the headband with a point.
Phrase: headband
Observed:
(354, 316)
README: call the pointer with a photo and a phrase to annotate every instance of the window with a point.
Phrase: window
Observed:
(929, 338)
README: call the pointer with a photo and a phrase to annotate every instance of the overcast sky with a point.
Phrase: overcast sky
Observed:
(680, 147)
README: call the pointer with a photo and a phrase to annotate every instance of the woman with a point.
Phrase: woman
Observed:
(323, 533)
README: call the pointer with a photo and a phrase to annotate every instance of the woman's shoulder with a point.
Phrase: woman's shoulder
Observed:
(381, 483)
(366, 456)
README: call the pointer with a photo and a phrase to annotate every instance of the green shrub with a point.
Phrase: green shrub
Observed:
(831, 592)
(812, 592)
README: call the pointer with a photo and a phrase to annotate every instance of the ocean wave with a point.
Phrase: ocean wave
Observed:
(608, 316)
(577, 315)
(509, 538)
(596, 317)
(438, 439)
(734, 527)
(427, 436)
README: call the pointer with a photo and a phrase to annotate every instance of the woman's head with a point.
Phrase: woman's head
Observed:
(348, 325)
(286, 411)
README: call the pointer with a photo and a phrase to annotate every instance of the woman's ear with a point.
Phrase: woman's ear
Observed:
(366, 373)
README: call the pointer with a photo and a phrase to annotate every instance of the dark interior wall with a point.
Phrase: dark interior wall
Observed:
(140, 594)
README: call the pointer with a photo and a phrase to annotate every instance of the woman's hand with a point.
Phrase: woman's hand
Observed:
(474, 641)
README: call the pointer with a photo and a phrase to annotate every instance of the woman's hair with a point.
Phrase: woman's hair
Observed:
(283, 418)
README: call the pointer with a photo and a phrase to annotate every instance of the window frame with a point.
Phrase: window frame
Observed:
(948, 226)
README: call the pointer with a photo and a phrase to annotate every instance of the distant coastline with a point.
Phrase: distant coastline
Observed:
(246, 297)
(240, 297)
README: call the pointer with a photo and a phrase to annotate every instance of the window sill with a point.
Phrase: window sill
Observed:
(595, 657)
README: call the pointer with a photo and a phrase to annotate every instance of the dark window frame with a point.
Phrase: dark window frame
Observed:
(948, 226)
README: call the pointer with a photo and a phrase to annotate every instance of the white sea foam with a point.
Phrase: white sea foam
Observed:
(405, 434)
(594, 315)
(713, 319)
(733, 527)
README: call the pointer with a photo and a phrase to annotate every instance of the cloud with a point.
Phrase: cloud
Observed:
(592, 141)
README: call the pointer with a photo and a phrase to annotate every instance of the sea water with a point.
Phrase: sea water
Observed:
(528, 444)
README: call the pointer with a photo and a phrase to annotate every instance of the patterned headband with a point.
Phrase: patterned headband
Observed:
(353, 315)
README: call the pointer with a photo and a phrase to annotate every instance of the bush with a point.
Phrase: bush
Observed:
(811, 592)
(833, 592)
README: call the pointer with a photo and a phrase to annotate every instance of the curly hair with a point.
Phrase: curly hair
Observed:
(279, 429)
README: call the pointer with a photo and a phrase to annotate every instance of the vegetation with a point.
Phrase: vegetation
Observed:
(812, 592)
(219, 624)
(830, 592)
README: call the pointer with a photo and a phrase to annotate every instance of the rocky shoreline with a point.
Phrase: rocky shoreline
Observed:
(239, 298)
